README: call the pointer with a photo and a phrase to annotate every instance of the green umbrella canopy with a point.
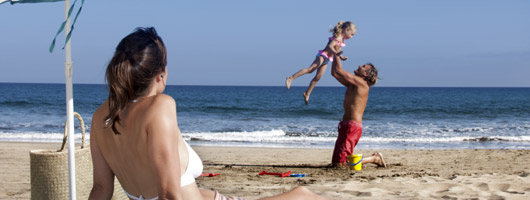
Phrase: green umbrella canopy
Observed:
(27, 1)
(61, 28)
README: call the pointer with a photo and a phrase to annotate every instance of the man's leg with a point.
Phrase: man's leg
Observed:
(376, 158)
(349, 134)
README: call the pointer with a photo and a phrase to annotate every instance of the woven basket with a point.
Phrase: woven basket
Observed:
(49, 172)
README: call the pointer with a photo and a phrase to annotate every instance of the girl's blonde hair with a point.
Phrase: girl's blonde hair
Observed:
(340, 27)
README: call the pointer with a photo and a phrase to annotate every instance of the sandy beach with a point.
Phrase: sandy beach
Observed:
(411, 174)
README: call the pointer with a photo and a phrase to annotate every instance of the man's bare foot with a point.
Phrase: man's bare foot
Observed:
(288, 82)
(379, 161)
(306, 98)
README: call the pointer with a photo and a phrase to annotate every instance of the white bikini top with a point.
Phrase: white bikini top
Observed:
(193, 170)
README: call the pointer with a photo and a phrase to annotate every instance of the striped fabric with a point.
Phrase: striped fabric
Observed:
(219, 196)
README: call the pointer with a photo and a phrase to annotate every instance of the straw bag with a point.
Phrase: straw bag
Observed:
(49, 172)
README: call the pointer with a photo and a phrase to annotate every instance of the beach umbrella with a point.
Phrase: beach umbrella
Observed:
(67, 27)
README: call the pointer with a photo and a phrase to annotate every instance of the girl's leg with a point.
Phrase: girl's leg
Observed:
(301, 193)
(313, 82)
(316, 63)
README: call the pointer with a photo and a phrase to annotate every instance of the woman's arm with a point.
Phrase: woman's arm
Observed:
(162, 147)
(103, 181)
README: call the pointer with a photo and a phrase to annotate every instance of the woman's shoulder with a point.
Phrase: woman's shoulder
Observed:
(160, 103)
(162, 100)
(157, 109)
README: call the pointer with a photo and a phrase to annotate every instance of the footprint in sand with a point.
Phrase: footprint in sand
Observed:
(359, 194)
(483, 186)
(449, 197)
(499, 186)
(496, 197)
(436, 187)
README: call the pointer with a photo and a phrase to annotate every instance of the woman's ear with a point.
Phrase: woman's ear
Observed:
(160, 77)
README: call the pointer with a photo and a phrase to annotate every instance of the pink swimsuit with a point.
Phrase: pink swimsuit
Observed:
(325, 55)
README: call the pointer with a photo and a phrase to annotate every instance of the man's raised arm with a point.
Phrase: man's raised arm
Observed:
(344, 77)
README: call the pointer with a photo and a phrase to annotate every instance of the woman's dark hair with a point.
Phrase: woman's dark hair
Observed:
(139, 57)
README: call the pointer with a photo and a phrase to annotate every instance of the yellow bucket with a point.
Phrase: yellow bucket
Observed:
(355, 162)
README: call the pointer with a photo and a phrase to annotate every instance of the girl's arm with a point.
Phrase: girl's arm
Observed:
(162, 146)
(331, 47)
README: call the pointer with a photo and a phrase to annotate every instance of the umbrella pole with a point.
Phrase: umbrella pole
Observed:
(69, 104)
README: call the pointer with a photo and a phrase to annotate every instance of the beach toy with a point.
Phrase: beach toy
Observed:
(297, 175)
(276, 174)
(355, 161)
(210, 174)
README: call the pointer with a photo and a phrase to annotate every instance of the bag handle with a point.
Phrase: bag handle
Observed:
(82, 132)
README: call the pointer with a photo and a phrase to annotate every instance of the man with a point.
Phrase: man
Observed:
(350, 128)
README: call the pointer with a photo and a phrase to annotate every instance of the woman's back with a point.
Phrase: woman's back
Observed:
(127, 153)
(135, 134)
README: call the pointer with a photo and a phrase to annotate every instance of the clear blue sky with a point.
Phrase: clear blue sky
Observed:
(413, 43)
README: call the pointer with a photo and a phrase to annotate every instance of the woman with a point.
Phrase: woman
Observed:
(135, 134)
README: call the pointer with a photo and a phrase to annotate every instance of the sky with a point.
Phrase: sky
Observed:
(452, 43)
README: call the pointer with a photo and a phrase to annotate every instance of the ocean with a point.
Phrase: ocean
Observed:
(255, 116)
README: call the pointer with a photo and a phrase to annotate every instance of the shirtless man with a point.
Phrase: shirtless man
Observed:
(350, 128)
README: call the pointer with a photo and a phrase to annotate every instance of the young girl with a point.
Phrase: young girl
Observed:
(341, 32)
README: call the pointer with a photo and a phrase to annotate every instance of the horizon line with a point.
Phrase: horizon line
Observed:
(291, 86)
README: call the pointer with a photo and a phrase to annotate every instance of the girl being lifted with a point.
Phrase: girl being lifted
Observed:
(342, 31)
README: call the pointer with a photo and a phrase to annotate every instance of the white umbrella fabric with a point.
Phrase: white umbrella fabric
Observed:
(68, 74)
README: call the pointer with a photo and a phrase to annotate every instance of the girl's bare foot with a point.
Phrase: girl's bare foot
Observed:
(306, 98)
(379, 159)
(288, 82)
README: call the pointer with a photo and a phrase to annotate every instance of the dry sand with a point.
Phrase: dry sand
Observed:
(411, 174)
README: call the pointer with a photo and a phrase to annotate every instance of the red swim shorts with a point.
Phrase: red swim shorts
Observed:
(349, 134)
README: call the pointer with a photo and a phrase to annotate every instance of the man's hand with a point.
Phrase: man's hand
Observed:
(341, 56)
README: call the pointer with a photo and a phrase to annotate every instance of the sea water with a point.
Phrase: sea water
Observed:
(395, 117)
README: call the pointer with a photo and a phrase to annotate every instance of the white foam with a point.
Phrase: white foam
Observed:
(272, 136)
(38, 137)
(279, 136)
(446, 139)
